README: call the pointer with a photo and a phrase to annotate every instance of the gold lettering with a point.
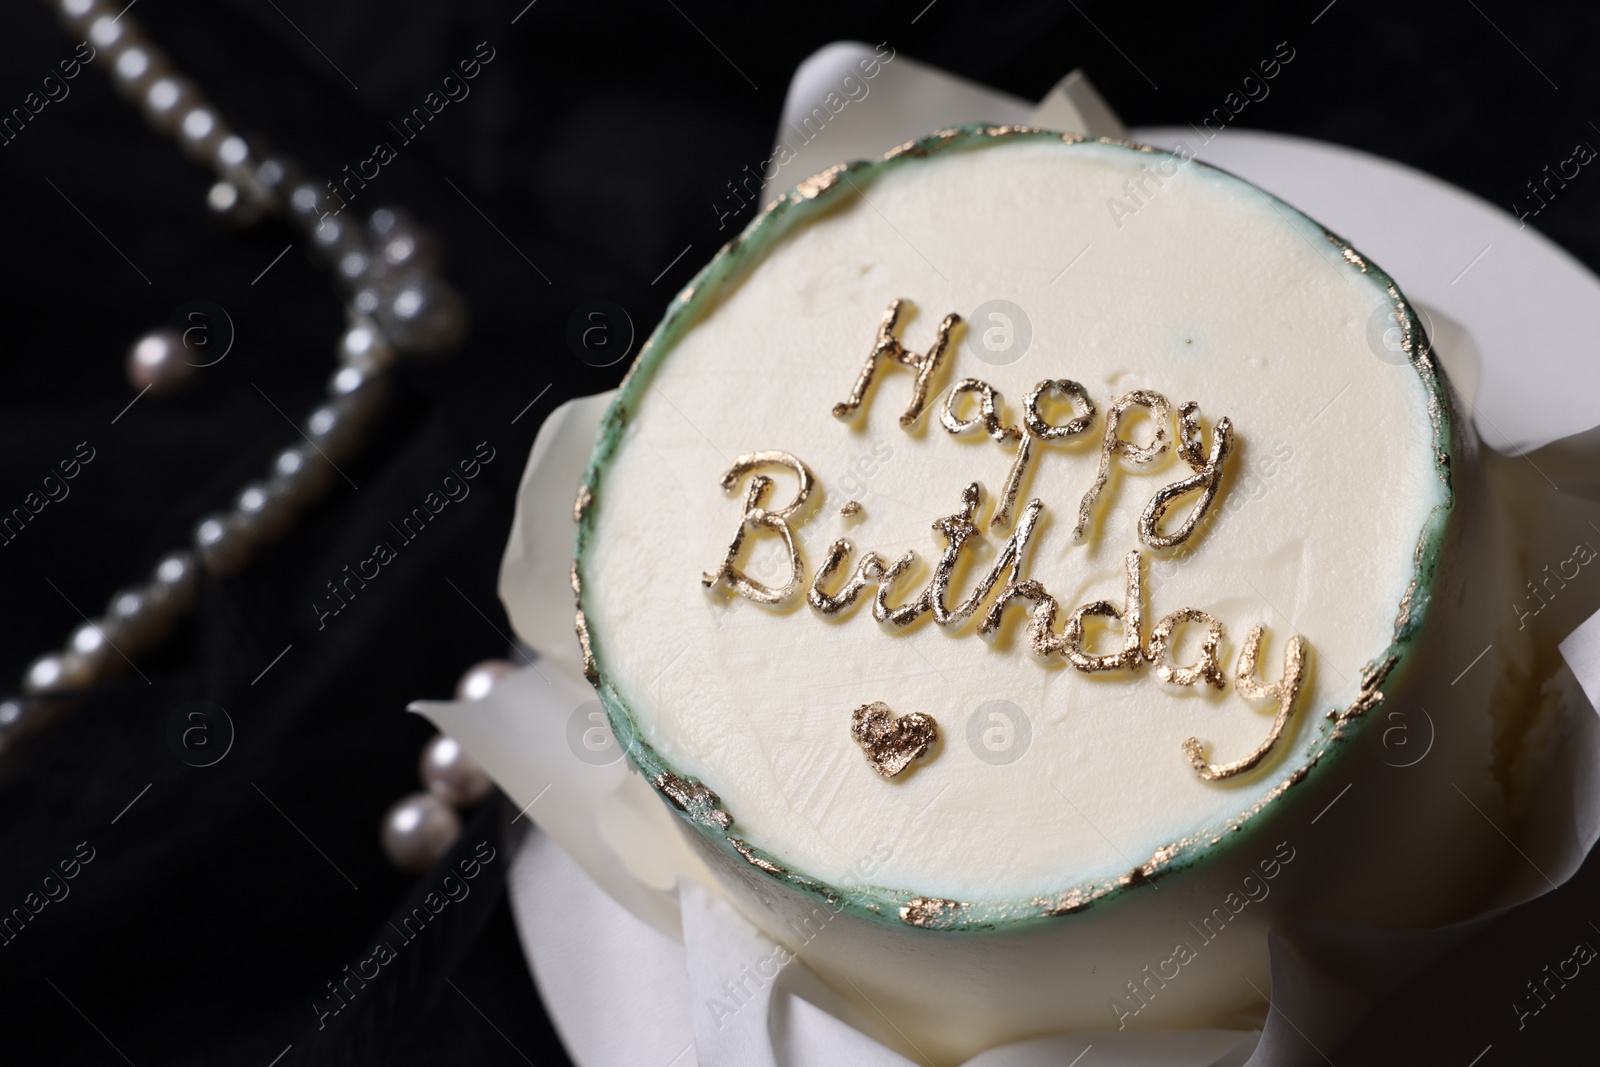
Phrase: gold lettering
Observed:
(872, 568)
(1112, 445)
(1040, 430)
(1131, 615)
(1042, 637)
(907, 613)
(988, 415)
(1207, 477)
(959, 528)
(757, 518)
(1207, 670)
(1284, 691)
(888, 346)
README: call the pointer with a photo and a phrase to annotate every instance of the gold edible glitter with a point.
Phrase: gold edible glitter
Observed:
(1206, 670)
(757, 517)
(929, 911)
(1112, 445)
(958, 528)
(743, 848)
(888, 346)
(1371, 694)
(1041, 633)
(693, 799)
(892, 743)
(1285, 690)
(988, 415)
(1039, 429)
(870, 569)
(591, 672)
(1131, 614)
(907, 613)
(1207, 477)
(818, 184)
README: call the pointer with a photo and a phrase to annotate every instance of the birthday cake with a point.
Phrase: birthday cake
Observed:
(1007, 557)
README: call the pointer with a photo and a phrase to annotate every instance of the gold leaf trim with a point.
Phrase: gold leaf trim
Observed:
(930, 912)
(693, 799)
(591, 670)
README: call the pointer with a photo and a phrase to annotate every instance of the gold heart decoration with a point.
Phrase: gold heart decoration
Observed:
(892, 743)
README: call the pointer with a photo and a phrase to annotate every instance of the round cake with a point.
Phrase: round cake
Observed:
(1007, 557)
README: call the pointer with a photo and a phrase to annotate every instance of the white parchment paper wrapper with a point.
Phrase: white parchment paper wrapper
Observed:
(664, 912)
(541, 735)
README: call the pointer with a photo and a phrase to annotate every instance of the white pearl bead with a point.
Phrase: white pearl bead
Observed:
(88, 640)
(333, 238)
(347, 380)
(168, 100)
(58, 672)
(136, 619)
(368, 299)
(221, 547)
(259, 514)
(273, 174)
(136, 68)
(252, 517)
(200, 132)
(98, 645)
(321, 423)
(383, 221)
(124, 607)
(108, 31)
(400, 249)
(305, 199)
(406, 246)
(423, 313)
(335, 427)
(408, 301)
(399, 240)
(312, 209)
(480, 678)
(175, 582)
(230, 206)
(89, 643)
(331, 432)
(452, 775)
(159, 362)
(334, 232)
(300, 476)
(199, 123)
(233, 151)
(45, 674)
(364, 347)
(132, 65)
(290, 463)
(78, 15)
(222, 197)
(417, 830)
(353, 265)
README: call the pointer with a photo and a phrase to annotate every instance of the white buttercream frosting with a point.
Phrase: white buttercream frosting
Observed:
(1187, 282)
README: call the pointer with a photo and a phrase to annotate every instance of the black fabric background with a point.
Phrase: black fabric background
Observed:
(597, 141)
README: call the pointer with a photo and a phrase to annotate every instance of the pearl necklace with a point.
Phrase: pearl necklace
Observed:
(396, 304)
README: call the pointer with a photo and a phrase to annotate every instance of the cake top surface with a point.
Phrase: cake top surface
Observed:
(1118, 543)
